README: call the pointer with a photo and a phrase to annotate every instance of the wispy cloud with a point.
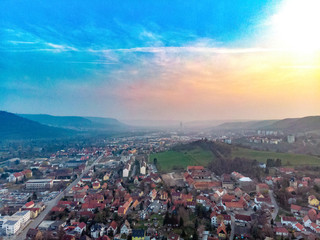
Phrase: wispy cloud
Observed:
(18, 40)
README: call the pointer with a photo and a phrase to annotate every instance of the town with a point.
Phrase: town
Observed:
(116, 190)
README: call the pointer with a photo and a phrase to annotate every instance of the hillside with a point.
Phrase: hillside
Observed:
(107, 122)
(246, 125)
(305, 124)
(77, 123)
(15, 127)
(204, 152)
(290, 125)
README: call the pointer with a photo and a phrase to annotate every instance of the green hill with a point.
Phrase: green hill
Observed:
(289, 125)
(204, 152)
(15, 127)
(77, 123)
(181, 159)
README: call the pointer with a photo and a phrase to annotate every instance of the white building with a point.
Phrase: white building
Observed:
(125, 172)
(291, 139)
(143, 168)
(11, 226)
(39, 184)
(125, 228)
(22, 216)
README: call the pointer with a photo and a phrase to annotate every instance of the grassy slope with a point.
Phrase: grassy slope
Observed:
(168, 160)
(262, 156)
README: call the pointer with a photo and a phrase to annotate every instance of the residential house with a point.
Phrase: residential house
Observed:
(313, 201)
(312, 215)
(295, 209)
(16, 177)
(80, 227)
(221, 231)
(288, 221)
(112, 229)
(126, 170)
(298, 227)
(29, 204)
(125, 228)
(143, 168)
(314, 227)
(34, 234)
(240, 218)
(281, 231)
(97, 230)
(217, 218)
(306, 221)
(96, 185)
(262, 188)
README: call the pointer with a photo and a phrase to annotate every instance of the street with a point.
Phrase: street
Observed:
(232, 226)
(274, 202)
(35, 222)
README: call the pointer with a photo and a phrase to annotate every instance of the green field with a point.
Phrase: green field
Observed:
(173, 159)
(262, 156)
(170, 160)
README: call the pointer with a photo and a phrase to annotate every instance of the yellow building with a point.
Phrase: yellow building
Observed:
(96, 185)
(106, 177)
(313, 201)
(221, 231)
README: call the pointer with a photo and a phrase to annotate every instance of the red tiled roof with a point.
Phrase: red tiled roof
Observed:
(288, 219)
(295, 207)
(57, 209)
(195, 168)
(113, 225)
(64, 203)
(243, 217)
(234, 204)
(299, 226)
(82, 225)
(18, 174)
(263, 186)
(281, 230)
(28, 204)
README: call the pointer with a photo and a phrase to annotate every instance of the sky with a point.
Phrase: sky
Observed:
(161, 60)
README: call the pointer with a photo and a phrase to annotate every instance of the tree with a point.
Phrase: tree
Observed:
(183, 234)
(181, 223)
(34, 196)
(4, 175)
(278, 163)
(270, 162)
(195, 235)
(228, 227)
(196, 224)
(166, 219)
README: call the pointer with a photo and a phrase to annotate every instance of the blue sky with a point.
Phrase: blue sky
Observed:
(122, 58)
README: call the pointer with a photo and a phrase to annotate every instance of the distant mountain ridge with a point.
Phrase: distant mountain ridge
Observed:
(13, 126)
(290, 125)
(75, 122)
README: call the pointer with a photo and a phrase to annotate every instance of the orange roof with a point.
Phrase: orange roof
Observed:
(234, 204)
(222, 228)
(195, 168)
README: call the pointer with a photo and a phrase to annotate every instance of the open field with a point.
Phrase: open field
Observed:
(262, 156)
(171, 160)
(174, 159)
